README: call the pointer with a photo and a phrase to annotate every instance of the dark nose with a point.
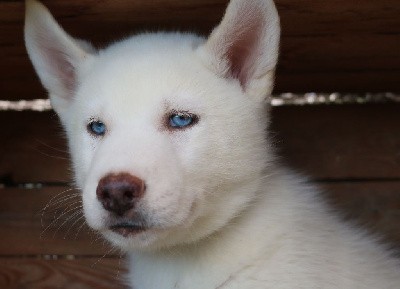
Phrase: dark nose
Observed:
(118, 193)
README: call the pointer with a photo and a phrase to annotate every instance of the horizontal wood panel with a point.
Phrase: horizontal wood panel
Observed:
(336, 46)
(347, 63)
(297, 17)
(326, 142)
(339, 142)
(348, 81)
(88, 273)
(373, 204)
(27, 229)
(32, 148)
(341, 52)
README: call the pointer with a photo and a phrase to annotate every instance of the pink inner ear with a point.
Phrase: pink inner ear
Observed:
(58, 61)
(244, 48)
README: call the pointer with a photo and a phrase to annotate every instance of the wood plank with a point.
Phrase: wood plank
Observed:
(63, 274)
(339, 142)
(26, 229)
(345, 81)
(348, 63)
(374, 204)
(336, 46)
(326, 142)
(297, 17)
(32, 148)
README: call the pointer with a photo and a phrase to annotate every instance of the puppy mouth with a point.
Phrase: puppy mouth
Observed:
(128, 229)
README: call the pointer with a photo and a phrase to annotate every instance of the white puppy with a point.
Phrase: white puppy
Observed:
(167, 133)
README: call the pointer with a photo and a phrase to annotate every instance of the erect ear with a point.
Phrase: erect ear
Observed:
(245, 45)
(55, 55)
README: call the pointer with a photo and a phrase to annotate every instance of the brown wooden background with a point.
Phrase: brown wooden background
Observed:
(351, 151)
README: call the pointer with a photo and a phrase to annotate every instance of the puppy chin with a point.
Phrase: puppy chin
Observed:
(153, 237)
(147, 240)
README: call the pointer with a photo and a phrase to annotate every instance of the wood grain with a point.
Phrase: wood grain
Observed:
(374, 206)
(32, 148)
(27, 229)
(88, 273)
(326, 142)
(329, 46)
(339, 142)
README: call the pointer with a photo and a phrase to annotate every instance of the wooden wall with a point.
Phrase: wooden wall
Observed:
(336, 45)
(352, 152)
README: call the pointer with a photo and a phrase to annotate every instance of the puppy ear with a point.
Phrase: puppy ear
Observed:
(245, 45)
(55, 55)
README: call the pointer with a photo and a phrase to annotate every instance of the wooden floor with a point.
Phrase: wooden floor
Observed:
(352, 152)
(32, 273)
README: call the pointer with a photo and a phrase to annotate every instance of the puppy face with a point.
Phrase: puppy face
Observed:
(166, 130)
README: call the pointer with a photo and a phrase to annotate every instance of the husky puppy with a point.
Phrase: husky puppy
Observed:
(167, 134)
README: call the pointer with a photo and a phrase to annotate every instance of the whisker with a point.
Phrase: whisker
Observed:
(119, 264)
(71, 217)
(64, 205)
(60, 203)
(60, 216)
(63, 198)
(68, 206)
(63, 192)
(51, 156)
(49, 146)
(102, 257)
(73, 224)
(58, 196)
(50, 203)
(98, 237)
(79, 229)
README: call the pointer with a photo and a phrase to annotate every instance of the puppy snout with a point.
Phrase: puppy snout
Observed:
(118, 193)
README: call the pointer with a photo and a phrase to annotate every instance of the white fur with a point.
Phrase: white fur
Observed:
(222, 213)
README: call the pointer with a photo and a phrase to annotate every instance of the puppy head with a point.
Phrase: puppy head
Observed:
(166, 130)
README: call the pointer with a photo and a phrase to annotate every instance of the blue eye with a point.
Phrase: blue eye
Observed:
(182, 120)
(97, 128)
